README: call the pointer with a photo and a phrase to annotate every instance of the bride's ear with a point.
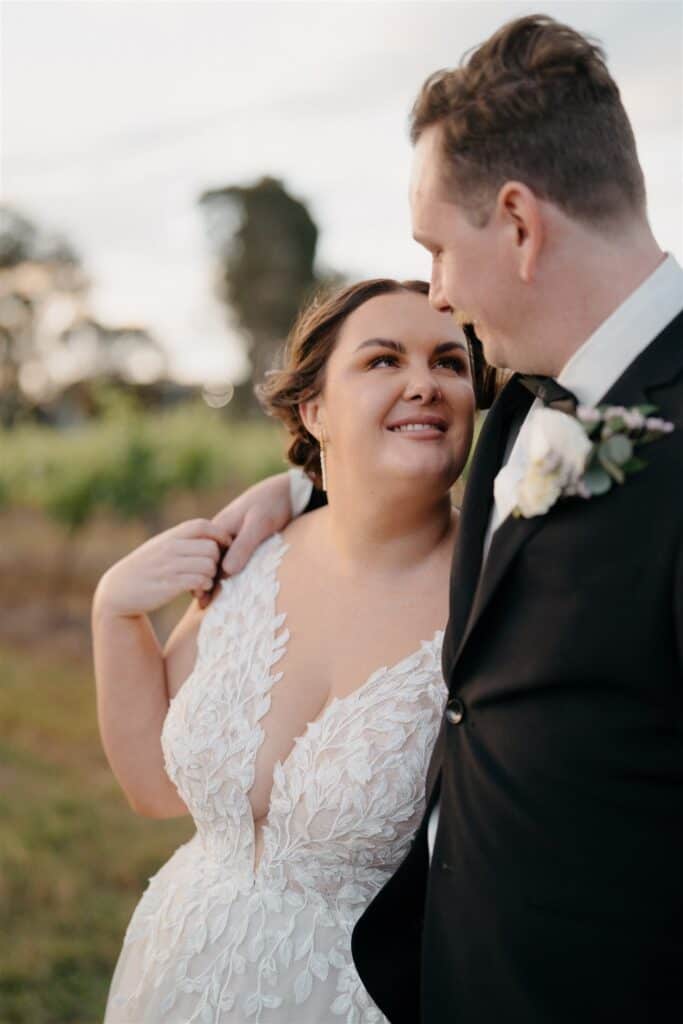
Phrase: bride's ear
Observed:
(310, 413)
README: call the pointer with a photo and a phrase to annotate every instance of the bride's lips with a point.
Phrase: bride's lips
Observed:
(420, 428)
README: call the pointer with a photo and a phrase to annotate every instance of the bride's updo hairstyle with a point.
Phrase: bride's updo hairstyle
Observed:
(307, 350)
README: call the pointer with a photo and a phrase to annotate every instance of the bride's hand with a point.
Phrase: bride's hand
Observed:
(183, 558)
(247, 521)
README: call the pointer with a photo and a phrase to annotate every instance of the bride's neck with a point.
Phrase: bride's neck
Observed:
(374, 533)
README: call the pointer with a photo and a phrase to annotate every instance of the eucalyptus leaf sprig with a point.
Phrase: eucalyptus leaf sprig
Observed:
(615, 432)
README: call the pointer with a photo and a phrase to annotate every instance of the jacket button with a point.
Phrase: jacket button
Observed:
(455, 711)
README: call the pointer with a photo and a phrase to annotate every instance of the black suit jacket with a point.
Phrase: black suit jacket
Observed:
(555, 893)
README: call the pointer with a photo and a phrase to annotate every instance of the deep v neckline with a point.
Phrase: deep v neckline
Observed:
(279, 642)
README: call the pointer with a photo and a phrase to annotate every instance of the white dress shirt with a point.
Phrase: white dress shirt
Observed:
(589, 374)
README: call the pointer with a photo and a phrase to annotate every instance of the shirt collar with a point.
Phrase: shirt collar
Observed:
(619, 339)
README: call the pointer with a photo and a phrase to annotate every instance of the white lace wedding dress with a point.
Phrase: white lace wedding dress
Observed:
(215, 940)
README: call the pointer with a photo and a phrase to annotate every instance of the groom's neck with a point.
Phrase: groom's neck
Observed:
(587, 278)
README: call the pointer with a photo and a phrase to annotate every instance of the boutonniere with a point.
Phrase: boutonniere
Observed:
(585, 454)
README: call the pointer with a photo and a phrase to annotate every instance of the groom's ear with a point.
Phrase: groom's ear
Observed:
(519, 211)
(309, 412)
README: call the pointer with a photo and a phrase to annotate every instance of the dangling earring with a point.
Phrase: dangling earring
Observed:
(323, 464)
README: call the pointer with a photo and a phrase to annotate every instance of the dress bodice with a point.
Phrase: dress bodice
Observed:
(344, 805)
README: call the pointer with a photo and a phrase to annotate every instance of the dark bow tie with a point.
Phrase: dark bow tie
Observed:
(550, 392)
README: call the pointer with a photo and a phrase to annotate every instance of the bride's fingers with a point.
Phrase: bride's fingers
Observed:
(195, 581)
(195, 563)
(201, 529)
(199, 548)
(204, 597)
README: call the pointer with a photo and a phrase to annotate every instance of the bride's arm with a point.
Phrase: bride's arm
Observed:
(130, 666)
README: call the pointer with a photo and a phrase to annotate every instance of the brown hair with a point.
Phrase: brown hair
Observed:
(535, 103)
(309, 346)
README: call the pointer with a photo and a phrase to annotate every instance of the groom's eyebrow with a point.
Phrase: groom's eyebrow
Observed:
(396, 346)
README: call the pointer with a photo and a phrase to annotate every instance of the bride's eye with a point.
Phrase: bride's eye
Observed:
(382, 361)
(457, 363)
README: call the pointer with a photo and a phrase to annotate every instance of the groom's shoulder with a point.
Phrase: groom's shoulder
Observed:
(662, 370)
(661, 362)
(655, 377)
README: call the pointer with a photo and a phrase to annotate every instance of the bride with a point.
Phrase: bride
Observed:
(294, 717)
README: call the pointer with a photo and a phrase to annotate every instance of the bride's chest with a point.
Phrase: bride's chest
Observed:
(241, 746)
(238, 723)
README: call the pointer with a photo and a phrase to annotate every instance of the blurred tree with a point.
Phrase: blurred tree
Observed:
(266, 242)
(48, 338)
(34, 264)
(22, 242)
(90, 350)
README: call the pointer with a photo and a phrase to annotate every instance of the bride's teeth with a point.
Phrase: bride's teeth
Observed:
(416, 426)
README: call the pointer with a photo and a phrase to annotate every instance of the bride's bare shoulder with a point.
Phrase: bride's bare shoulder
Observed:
(303, 530)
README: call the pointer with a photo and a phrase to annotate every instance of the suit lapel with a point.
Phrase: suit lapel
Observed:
(510, 536)
(656, 366)
(514, 399)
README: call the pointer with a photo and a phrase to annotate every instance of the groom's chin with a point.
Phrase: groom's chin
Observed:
(494, 353)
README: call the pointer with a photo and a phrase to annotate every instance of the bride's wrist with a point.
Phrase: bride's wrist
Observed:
(107, 604)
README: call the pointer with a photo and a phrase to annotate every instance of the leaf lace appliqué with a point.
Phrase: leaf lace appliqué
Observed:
(213, 941)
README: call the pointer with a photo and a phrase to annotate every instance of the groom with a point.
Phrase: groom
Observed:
(545, 884)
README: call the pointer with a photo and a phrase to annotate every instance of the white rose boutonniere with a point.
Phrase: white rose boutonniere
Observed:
(583, 455)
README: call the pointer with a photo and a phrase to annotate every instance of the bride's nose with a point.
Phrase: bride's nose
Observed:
(423, 388)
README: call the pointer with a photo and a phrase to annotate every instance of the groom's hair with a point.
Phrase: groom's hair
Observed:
(534, 103)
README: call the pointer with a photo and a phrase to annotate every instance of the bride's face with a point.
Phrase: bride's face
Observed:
(397, 402)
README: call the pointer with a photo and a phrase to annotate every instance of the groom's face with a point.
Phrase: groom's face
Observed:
(469, 275)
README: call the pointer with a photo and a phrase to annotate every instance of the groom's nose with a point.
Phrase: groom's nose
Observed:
(437, 295)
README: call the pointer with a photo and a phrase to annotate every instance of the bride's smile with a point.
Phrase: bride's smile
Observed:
(427, 428)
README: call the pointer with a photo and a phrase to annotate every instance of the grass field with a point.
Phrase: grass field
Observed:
(74, 859)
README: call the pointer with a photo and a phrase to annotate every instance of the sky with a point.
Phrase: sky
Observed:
(116, 116)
